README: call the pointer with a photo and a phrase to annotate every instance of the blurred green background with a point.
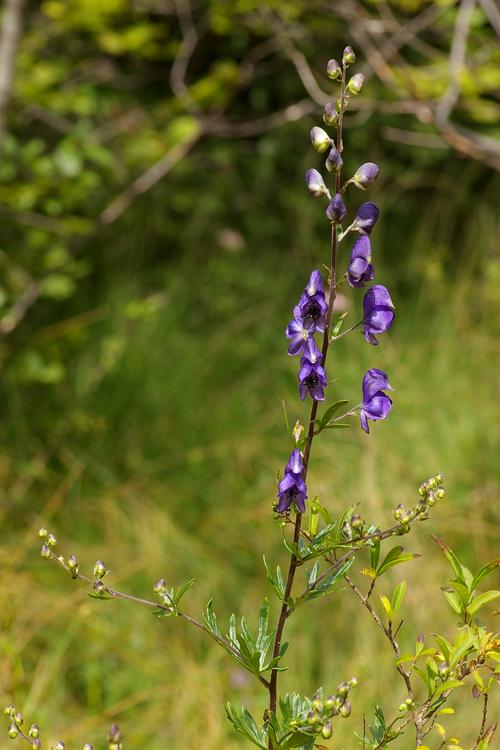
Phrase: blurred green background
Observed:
(155, 233)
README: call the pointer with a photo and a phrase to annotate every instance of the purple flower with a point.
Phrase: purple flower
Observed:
(334, 160)
(336, 210)
(378, 312)
(299, 333)
(366, 218)
(312, 306)
(376, 404)
(365, 175)
(330, 114)
(360, 267)
(312, 378)
(292, 488)
(316, 184)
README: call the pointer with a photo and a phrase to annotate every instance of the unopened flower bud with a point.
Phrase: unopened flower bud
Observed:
(349, 57)
(37, 744)
(100, 569)
(365, 175)
(73, 563)
(330, 702)
(320, 139)
(114, 734)
(330, 114)
(336, 210)
(316, 184)
(326, 731)
(346, 530)
(431, 483)
(354, 682)
(356, 83)
(431, 498)
(88, 746)
(12, 731)
(45, 551)
(402, 707)
(366, 218)
(99, 588)
(18, 719)
(160, 586)
(410, 703)
(341, 104)
(343, 688)
(422, 489)
(333, 70)
(406, 517)
(357, 522)
(312, 718)
(439, 478)
(42, 533)
(440, 493)
(345, 710)
(334, 160)
(317, 705)
(443, 668)
(34, 731)
(51, 540)
(59, 745)
(398, 511)
(9, 710)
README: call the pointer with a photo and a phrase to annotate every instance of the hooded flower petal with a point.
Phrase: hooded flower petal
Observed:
(378, 312)
(336, 210)
(334, 160)
(295, 464)
(366, 218)
(298, 333)
(377, 408)
(292, 488)
(320, 139)
(366, 175)
(316, 184)
(312, 380)
(374, 380)
(361, 268)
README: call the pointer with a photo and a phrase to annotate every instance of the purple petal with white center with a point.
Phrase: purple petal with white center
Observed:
(311, 351)
(366, 175)
(315, 283)
(336, 210)
(295, 464)
(315, 183)
(366, 217)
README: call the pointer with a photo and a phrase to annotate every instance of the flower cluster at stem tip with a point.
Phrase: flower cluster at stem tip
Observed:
(313, 312)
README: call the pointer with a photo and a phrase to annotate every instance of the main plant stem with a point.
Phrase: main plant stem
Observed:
(294, 561)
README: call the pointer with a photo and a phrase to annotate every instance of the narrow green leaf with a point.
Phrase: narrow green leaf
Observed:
(398, 596)
(453, 600)
(483, 572)
(263, 623)
(331, 411)
(338, 325)
(451, 557)
(394, 557)
(481, 600)
(448, 685)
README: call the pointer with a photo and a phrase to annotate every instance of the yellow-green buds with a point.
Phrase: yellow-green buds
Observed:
(18, 719)
(349, 56)
(34, 731)
(37, 744)
(100, 569)
(343, 688)
(330, 114)
(357, 522)
(345, 710)
(73, 563)
(88, 746)
(59, 745)
(9, 710)
(354, 682)
(12, 731)
(320, 139)
(356, 83)
(45, 552)
(160, 586)
(327, 731)
(51, 540)
(42, 533)
(312, 718)
(333, 70)
(317, 705)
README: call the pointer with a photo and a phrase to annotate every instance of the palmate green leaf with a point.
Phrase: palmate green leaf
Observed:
(394, 557)
(245, 724)
(481, 600)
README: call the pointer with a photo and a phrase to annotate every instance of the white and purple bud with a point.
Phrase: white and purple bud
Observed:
(45, 552)
(73, 563)
(356, 83)
(34, 731)
(320, 139)
(160, 586)
(334, 161)
(12, 731)
(59, 745)
(37, 744)
(42, 533)
(330, 114)
(316, 184)
(100, 569)
(349, 56)
(333, 70)
(336, 210)
(18, 719)
(345, 710)
(51, 540)
(327, 731)
(365, 175)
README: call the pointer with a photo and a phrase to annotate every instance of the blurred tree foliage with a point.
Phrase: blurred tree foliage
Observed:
(110, 96)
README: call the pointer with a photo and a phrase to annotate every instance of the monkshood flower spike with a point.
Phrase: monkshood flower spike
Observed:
(376, 404)
(292, 488)
(378, 312)
(312, 307)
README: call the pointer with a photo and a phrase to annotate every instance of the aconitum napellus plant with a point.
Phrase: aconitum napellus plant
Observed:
(340, 551)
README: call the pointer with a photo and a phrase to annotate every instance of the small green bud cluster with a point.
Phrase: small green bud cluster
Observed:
(408, 705)
(430, 491)
(336, 72)
(354, 528)
(47, 552)
(323, 710)
(32, 736)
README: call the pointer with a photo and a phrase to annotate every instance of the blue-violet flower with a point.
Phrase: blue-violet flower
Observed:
(366, 218)
(292, 488)
(376, 404)
(361, 268)
(378, 312)
(316, 184)
(336, 210)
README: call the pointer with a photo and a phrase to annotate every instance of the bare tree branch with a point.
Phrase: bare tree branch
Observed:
(456, 62)
(9, 39)
(493, 13)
